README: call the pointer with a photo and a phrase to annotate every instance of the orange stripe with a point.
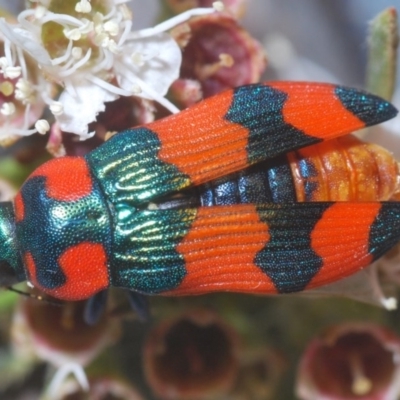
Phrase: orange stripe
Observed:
(316, 110)
(219, 252)
(67, 178)
(200, 142)
(341, 238)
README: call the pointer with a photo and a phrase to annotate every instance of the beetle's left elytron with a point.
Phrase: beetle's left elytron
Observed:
(157, 210)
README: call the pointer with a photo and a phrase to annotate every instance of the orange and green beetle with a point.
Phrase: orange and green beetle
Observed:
(201, 201)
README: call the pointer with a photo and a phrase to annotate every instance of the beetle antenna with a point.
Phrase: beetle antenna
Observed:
(34, 296)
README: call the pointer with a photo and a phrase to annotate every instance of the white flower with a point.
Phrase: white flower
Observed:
(20, 102)
(95, 57)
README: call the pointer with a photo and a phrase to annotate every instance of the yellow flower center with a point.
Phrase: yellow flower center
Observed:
(6, 88)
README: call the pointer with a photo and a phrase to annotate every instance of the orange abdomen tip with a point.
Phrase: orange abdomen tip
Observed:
(344, 169)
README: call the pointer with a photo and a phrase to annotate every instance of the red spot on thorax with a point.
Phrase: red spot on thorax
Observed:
(19, 208)
(67, 178)
(85, 269)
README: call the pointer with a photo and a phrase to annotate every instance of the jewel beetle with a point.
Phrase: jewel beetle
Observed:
(158, 209)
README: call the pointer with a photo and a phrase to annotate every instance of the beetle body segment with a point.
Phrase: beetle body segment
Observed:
(282, 248)
(63, 229)
(117, 217)
(344, 169)
(341, 169)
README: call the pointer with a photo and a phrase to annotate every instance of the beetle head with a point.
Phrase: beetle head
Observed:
(10, 260)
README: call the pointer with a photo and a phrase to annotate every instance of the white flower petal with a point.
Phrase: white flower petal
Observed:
(25, 40)
(144, 63)
(159, 67)
(82, 109)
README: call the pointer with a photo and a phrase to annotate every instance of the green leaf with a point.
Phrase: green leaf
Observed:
(383, 43)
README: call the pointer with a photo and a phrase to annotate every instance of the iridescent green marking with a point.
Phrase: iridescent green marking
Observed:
(9, 254)
(385, 230)
(144, 250)
(144, 243)
(368, 108)
(50, 227)
(288, 258)
(129, 170)
(259, 108)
